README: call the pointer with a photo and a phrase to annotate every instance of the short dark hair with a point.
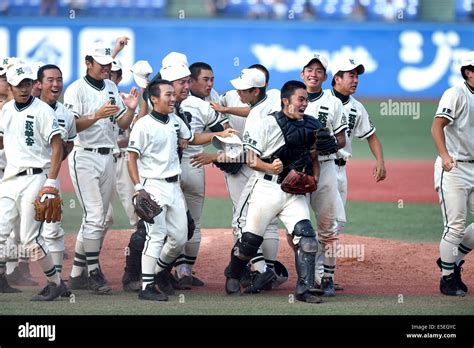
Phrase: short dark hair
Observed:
(262, 69)
(340, 74)
(118, 72)
(463, 70)
(196, 68)
(289, 89)
(153, 87)
(42, 69)
(89, 59)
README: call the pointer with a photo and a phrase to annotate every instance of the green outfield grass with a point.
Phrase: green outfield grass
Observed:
(413, 222)
(274, 303)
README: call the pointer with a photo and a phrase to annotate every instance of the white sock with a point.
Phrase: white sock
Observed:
(92, 249)
(79, 264)
(47, 265)
(448, 253)
(57, 259)
(148, 270)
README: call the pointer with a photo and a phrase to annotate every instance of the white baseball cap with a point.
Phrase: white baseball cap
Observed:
(249, 78)
(347, 64)
(319, 57)
(6, 62)
(174, 72)
(174, 58)
(141, 70)
(18, 72)
(116, 65)
(231, 145)
(101, 53)
(468, 60)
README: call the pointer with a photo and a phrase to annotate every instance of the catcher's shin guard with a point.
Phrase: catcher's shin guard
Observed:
(305, 256)
(133, 259)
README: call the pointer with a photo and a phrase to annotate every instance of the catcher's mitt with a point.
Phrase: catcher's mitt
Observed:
(145, 207)
(299, 183)
(48, 205)
(326, 143)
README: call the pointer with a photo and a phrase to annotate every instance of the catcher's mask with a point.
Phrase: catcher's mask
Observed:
(281, 274)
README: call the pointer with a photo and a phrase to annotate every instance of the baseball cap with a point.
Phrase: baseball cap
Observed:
(18, 72)
(231, 145)
(6, 62)
(174, 58)
(116, 65)
(249, 78)
(101, 53)
(319, 57)
(174, 72)
(141, 70)
(35, 66)
(467, 61)
(347, 64)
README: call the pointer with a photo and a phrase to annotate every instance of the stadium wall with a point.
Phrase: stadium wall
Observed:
(413, 60)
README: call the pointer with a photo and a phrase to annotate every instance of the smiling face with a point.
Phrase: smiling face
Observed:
(164, 104)
(51, 86)
(347, 84)
(98, 71)
(22, 92)
(296, 105)
(313, 76)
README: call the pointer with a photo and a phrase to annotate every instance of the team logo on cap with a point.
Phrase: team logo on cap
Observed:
(108, 52)
(352, 61)
(19, 71)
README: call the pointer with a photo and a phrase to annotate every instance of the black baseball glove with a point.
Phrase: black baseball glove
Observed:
(145, 207)
(231, 168)
(326, 143)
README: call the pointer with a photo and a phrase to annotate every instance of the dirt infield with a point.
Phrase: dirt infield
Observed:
(411, 181)
(370, 266)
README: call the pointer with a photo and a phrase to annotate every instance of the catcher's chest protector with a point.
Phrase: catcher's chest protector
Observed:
(299, 137)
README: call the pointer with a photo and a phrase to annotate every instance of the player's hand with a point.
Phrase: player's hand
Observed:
(120, 43)
(218, 107)
(228, 132)
(448, 162)
(131, 99)
(107, 110)
(379, 172)
(277, 166)
(183, 143)
(202, 159)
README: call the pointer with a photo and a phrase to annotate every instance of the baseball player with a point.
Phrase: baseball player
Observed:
(98, 109)
(202, 82)
(153, 142)
(273, 144)
(346, 73)
(51, 86)
(324, 201)
(452, 131)
(33, 149)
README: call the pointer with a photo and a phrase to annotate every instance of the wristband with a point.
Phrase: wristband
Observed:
(138, 187)
(51, 183)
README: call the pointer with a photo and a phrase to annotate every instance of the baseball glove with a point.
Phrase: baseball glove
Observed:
(299, 183)
(326, 143)
(231, 168)
(48, 205)
(145, 207)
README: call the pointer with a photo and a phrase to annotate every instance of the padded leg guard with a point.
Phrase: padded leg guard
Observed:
(305, 259)
(133, 260)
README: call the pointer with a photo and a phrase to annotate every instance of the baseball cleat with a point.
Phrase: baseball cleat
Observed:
(50, 292)
(152, 294)
(260, 281)
(132, 286)
(18, 278)
(448, 286)
(78, 283)
(162, 280)
(5, 288)
(457, 274)
(97, 282)
(327, 285)
(308, 297)
(197, 281)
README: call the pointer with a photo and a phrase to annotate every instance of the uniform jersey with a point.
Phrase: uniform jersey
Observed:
(27, 134)
(358, 122)
(213, 97)
(83, 99)
(329, 111)
(264, 137)
(3, 161)
(66, 121)
(202, 117)
(155, 141)
(457, 105)
(232, 99)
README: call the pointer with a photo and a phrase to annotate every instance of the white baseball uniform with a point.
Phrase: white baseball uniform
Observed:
(53, 233)
(326, 200)
(201, 117)
(91, 164)
(27, 133)
(155, 139)
(456, 187)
